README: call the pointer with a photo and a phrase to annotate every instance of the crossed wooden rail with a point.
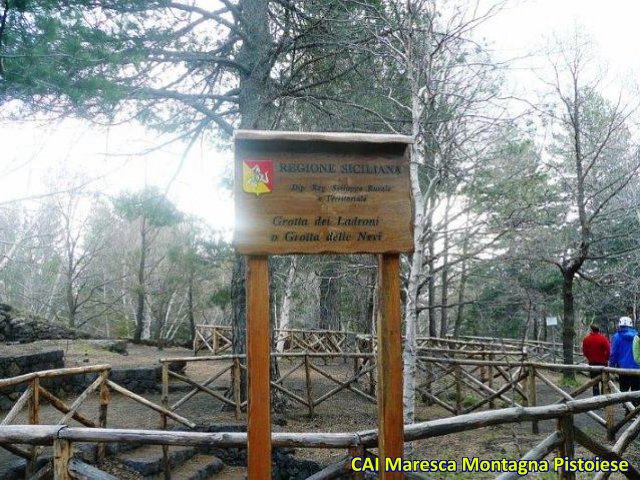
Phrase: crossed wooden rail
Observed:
(34, 392)
(297, 361)
(217, 339)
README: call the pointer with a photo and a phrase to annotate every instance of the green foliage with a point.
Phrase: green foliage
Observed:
(470, 400)
(149, 204)
(221, 298)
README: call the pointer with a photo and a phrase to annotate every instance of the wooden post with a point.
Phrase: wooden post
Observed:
(605, 388)
(105, 398)
(237, 397)
(61, 458)
(258, 366)
(492, 403)
(165, 404)
(355, 365)
(532, 396)
(457, 372)
(214, 339)
(430, 375)
(390, 410)
(567, 447)
(34, 419)
(307, 374)
(357, 451)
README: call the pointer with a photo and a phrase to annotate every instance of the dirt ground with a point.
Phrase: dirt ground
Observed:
(343, 412)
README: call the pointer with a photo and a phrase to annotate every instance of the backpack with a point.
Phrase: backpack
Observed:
(636, 349)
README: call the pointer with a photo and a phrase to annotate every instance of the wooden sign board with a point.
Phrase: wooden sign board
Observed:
(322, 193)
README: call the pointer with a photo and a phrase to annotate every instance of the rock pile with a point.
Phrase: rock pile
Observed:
(21, 329)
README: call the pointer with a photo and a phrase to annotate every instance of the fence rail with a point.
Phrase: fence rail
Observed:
(480, 376)
(564, 439)
(217, 339)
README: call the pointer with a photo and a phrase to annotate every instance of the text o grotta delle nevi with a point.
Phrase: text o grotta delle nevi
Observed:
(347, 168)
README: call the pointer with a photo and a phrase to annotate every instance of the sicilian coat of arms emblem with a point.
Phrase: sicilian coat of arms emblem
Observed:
(257, 176)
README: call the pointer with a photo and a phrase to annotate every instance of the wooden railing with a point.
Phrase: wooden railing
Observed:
(234, 365)
(217, 339)
(34, 393)
(542, 350)
(563, 440)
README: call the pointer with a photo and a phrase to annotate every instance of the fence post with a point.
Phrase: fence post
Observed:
(357, 451)
(532, 395)
(492, 403)
(307, 374)
(458, 378)
(34, 419)
(608, 410)
(105, 398)
(567, 447)
(215, 340)
(356, 361)
(237, 397)
(163, 417)
(429, 374)
(61, 457)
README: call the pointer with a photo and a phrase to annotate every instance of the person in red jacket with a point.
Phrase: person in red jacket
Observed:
(596, 349)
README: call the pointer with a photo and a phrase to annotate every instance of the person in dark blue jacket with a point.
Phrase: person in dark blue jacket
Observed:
(622, 354)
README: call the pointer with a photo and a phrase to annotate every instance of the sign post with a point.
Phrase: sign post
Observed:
(315, 193)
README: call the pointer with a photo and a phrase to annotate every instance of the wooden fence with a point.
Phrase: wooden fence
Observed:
(563, 440)
(542, 350)
(231, 367)
(217, 339)
(460, 381)
(457, 380)
(34, 393)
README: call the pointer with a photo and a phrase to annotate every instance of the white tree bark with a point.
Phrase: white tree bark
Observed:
(411, 304)
(146, 321)
(285, 311)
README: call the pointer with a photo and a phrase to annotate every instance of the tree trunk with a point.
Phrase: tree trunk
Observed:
(71, 300)
(190, 314)
(329, 298)
(568, 326)
(239, 325)
(431, 282)
(140, 317)
(285, 311)
(415, 274)
(444, 309)
(252, 100)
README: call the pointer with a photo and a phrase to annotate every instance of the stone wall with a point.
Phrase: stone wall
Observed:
(138, 380)
(18, 365)
(15, 327)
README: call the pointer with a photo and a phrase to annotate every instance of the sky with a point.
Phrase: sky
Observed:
(33, 154)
